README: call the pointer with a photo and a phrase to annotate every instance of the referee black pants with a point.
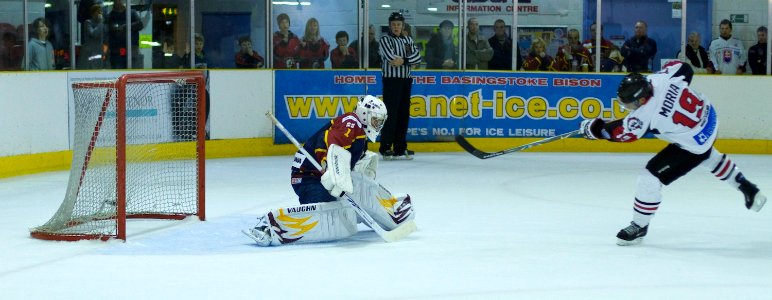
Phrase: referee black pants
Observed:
(396, 96)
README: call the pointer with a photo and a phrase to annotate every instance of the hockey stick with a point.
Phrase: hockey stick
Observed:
(389, 236)
(461, 140)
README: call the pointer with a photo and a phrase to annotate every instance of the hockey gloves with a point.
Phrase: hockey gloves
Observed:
(367, 164)
(337, 177)
(592, 129)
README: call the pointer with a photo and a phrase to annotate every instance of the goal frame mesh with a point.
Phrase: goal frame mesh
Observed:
(120, 89)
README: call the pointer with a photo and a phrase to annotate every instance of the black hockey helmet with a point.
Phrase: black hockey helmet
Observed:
(396, 16)
(633, 87)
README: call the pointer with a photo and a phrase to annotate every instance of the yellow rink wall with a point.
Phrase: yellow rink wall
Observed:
(58, 161)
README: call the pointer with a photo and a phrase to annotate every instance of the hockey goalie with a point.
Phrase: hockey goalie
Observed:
(340, 147)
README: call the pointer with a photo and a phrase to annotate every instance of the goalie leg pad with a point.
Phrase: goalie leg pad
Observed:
(310, 223)
(388, 210)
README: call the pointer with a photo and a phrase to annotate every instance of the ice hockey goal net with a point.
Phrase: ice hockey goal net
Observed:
(138, 152)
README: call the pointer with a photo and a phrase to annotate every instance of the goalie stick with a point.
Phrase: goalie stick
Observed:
(389, 236)
(464, 143)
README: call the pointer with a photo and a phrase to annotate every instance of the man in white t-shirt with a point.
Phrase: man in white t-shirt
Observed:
(727, 53)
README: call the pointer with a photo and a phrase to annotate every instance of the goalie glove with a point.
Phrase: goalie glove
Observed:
(337, 177)
(592, 129)
(367, 164)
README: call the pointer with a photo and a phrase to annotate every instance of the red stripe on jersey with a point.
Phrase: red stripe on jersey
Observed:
(726, 167)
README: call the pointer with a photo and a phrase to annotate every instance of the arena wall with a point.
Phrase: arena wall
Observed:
(34, 122)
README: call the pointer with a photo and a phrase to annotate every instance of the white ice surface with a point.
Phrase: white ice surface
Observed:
(520, 226)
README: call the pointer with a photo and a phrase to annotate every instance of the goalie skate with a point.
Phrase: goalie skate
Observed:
(261, 233)
(261, 236)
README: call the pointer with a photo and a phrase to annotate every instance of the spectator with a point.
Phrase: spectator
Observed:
(83, 13)
(41, 52)
(400, 55)
(614, 62)
(478, 51)
(199, 60)
(92, 39)
(7, 62)
(286, 45)
(727, 53)
(373, 59)
(343, 56)
(538, 59)
(408, 31)
(639, 50)
(84, 10)
(501, 44)
(248, 58)
(314, 50)
(696, 56)
(605, 45)
(167, 58)
(757, 54)
(116, 24)
(573, 57)
(607, 63)
(441, 53)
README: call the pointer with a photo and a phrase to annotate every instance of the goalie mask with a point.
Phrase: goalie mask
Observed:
(372, 114)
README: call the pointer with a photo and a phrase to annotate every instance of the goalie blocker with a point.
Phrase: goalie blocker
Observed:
(329, 221)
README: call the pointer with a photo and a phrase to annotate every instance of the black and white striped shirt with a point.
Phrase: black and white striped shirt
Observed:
(391, 47)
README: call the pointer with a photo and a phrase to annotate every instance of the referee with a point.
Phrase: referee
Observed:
(398, 54)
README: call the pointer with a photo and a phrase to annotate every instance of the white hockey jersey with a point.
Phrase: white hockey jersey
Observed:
(674, 113)
(727, 55)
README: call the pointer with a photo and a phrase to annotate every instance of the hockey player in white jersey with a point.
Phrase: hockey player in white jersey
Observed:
(663, 104)
(341, 146)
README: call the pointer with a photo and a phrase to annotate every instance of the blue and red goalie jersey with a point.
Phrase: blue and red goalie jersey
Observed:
(345, 131)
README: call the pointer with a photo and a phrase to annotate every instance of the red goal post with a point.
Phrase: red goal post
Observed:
(138, 152)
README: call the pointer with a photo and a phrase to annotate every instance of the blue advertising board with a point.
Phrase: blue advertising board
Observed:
(443, 104)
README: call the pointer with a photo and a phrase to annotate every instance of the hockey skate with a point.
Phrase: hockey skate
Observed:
(754, 200)
(391, 155)
(387, 155)
(261, 233)
(631, 235)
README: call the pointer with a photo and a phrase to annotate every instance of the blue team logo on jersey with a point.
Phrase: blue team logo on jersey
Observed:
(710, 127)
